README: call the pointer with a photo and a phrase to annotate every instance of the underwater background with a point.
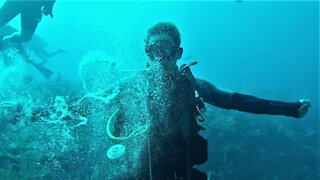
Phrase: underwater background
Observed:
(266, 49)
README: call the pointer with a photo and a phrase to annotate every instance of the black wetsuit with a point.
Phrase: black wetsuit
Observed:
(175, 143)
(30, 11)
(245, 103)
(183, 147)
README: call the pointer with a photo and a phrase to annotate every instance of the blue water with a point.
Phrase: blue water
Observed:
(266, 49)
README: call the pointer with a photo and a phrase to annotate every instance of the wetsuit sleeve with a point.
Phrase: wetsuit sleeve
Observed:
(246, 103)
(255, 105)
(213, 95)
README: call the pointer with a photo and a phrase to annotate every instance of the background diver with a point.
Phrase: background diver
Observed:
(19, 49)
(30, 13)
(36, 45)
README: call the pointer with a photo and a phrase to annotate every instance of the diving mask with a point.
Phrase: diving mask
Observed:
(161, 49)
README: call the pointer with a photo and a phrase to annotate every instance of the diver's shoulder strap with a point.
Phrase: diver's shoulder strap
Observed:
(199, 106)
(186, 71)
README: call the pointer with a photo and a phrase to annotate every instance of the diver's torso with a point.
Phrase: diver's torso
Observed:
(166, 102)
(170, 101)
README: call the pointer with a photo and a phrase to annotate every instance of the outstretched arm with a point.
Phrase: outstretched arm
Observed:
(247, 103)
(213, 95)
(42, 53)
(256, 105)
(54, 53)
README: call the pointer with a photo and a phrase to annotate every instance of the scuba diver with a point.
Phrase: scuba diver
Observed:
(19, 49)
(30, 14)
(175, 100)
(158, 128)
(37, 45)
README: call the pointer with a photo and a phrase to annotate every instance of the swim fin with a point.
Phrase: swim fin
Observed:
(44, 71)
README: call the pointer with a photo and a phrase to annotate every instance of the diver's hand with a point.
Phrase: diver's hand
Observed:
(47, 11)
(304, 108)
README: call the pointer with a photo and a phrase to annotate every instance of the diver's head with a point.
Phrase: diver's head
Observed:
(163, 44)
